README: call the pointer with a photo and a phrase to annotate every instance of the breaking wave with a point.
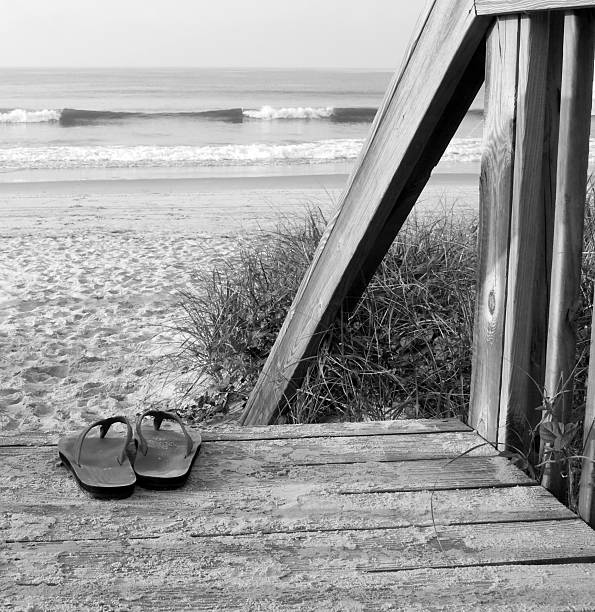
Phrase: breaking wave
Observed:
(340, 115)
(68, 117)
(20, 115)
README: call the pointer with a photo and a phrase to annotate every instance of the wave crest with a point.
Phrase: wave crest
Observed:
(20, 115)
(69, 117)
(268, 113)
(74, 116)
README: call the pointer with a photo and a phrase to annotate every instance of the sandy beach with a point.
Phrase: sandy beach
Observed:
(90, 273)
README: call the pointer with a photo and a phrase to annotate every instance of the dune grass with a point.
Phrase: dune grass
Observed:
(405, 351)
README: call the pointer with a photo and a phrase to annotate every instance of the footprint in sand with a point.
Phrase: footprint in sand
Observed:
(91, 389)
(9, 397)
(37, 374)
(28, 306)
(39, 409)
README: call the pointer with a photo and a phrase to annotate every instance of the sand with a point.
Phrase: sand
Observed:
(89, 278)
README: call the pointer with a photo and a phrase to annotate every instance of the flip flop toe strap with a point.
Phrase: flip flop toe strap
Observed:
(104, 425)
(158, 417)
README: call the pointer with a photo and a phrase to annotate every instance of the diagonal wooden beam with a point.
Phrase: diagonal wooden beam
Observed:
(411, 130)
(502, 7)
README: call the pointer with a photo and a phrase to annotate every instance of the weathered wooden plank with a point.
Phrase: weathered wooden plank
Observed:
(519, 396)
(354, 449)
(501, 7)
(495, 186)
(544, 230)
(412, 110)
(40, 476)
(272, 432)
(586, 504)
(182, 556)
(573, 156)
(281, 507)
(516, 588)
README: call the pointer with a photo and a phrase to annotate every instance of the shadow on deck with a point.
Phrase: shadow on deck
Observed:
(338, 516)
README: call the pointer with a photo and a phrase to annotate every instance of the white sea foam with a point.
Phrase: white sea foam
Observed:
(20, 115)
(268, 113)
(462, 150)
(467, 150)
(323, 151)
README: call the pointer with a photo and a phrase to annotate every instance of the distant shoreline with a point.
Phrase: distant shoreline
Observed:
(208, 183)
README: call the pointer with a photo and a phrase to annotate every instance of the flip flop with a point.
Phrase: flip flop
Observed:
(100, 465)
(164, 457)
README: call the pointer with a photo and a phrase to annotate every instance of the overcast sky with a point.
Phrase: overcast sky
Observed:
(236, 33)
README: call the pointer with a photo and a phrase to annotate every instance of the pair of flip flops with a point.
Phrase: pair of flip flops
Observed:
(101, 465)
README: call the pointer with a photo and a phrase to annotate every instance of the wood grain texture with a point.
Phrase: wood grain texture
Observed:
(223, 495)
(40, 477)
(519, 397)
(355, 449)
(272, 432)
(501, 7)
(61, 572)
(586, 504)
(346, 449)
(275, 507)
(495, 192)
(412, 110)
(515, 588)
(573, 154)
(544, 229)
(255, 529)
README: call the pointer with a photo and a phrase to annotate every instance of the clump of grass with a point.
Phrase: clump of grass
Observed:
(234, 313)
(403, 351)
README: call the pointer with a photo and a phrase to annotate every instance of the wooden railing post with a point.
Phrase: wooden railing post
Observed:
(586, 500)
(573, 153)
(513, 242)
(495, 186)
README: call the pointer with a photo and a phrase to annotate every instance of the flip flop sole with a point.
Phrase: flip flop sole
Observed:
(102, 492)
(165, 454)
(155, 482)
(98, 470)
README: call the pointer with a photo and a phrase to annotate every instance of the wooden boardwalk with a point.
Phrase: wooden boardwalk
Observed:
(334, 517)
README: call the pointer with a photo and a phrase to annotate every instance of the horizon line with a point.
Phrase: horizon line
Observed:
(174, 67)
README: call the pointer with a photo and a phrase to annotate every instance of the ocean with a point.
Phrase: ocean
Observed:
(187, 123)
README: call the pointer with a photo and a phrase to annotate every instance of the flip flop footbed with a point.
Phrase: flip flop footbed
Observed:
(98, 470)
(166, 462)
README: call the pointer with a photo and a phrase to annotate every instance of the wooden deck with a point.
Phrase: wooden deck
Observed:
(334, 517)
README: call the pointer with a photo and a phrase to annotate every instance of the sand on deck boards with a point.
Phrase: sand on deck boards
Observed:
(90, 273)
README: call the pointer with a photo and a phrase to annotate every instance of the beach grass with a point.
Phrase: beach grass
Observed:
(405, 351)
